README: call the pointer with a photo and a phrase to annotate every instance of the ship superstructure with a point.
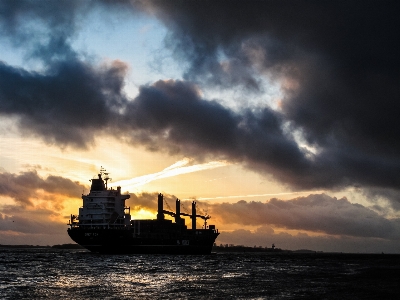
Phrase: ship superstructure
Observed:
(104, 225)
(103, 207)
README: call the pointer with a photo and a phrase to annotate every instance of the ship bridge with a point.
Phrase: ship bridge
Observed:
(102, 207)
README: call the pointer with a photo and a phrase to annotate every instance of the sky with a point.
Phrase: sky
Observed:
(280, 118)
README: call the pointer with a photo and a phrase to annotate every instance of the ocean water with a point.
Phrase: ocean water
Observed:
(77, 274)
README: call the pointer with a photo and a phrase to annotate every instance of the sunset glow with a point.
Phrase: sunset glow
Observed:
(285, 130)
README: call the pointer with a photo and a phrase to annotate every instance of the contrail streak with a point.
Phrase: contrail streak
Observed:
(176, 169)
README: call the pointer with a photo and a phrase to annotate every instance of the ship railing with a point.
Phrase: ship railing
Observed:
(99, 226)
(203, 231)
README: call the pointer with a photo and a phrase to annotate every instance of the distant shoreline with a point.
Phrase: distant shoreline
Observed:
(215, 249)
(241, 248)
(230, 248)
(62, 246)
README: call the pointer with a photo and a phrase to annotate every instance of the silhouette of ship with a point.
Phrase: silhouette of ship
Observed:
(104, 225)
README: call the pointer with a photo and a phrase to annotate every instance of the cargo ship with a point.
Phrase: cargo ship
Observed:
(104, 225)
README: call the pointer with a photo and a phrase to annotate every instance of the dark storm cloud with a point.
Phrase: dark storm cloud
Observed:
(24, 186)
(385, 195)
(41, 28)
(172, 114)
(70, 99)
(318, 213)
(340, 59)
(351, 33)
(66, 105)
(337, 62)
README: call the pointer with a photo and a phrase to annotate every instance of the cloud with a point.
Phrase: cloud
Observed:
(67, 105)
(43, 29)
(67, 101)
(20, 223)
(336, 63)
(31, 227)
(317, 213)
(172, 114)
(24, 187)
(389, 196)
(148, 201)
(35, 217)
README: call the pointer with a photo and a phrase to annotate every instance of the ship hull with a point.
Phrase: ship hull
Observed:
(125, 241)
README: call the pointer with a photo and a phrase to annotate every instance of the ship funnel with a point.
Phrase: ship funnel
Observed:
(178, 211)
(97, 184)
(193, 215)
(160, 214)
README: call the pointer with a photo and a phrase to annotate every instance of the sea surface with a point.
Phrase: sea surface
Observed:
(78, 274)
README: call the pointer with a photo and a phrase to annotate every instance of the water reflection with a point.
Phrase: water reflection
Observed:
(37, 273)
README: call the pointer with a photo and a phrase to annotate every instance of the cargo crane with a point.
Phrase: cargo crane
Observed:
(193, 216)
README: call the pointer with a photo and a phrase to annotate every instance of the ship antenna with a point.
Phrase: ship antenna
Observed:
(106, 177)
(102, 170)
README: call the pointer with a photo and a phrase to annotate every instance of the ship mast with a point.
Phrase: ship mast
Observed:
(106, 177)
